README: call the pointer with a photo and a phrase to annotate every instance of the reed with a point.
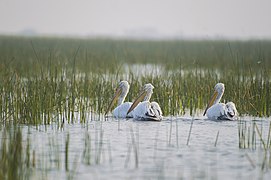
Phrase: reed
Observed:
(45, 80)
(86, 156)
(189, 134)
(67, 142)
(251, 137)
(216, 139)
(135, 147)
(15, 157)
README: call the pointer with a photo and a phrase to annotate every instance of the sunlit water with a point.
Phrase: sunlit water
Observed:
(130, 149)
(154, 70)
(157, 70)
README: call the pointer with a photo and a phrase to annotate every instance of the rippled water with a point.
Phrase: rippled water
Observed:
(129, 149)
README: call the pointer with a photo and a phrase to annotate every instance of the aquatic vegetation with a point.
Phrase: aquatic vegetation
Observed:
(136, 149)
(54, 93)
(44, 80)
(248, 131)
(16, 158)
(251, 136)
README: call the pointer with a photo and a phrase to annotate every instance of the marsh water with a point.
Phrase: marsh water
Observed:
(178, 147)
(54, 95)
(175, 148)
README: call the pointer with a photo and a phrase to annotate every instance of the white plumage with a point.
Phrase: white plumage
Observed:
(220, 111)
(121, 110)
(146, 110)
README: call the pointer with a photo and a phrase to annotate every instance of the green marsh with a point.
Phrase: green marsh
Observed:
(54, 93)
(47, 79)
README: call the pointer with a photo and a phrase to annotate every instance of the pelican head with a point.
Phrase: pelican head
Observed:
(231, 109)
(144, 95)
(120, 94)
(219, 91)
(147, 90)
(220, 87)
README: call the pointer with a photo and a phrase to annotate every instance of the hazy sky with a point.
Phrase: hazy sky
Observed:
(157, 18)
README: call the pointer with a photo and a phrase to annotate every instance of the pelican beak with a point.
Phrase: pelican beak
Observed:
(211, 102)
(117, 94)
(137, 100)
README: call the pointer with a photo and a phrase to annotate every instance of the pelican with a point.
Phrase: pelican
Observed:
(146, 110)
(220, 111)
(121, 92)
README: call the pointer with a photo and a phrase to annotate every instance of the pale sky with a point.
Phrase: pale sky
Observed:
(154, 18)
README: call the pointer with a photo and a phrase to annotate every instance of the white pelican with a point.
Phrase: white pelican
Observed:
(146, 110)
(220, 111)
(121, 92)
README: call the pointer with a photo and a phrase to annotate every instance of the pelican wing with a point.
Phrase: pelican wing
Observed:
(148, 111)
(224, 117)
(216, 111)
(227, 116)
(121, 111)
(221, 111)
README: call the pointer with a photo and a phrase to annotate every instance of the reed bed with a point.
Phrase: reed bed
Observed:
(44, 80)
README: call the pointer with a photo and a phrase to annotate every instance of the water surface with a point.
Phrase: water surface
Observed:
(130, 149)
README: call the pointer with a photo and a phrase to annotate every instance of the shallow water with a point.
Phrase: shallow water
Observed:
(158, 70)
(130, 149)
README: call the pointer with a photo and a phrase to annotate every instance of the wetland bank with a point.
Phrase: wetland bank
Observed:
(54, 93)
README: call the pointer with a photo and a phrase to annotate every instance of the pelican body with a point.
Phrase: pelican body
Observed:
(220, 111)
(121, 110)
(143, 109)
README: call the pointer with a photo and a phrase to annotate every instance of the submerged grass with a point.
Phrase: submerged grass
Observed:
(44, 80)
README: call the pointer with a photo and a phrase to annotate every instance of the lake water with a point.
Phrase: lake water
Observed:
(130, 149)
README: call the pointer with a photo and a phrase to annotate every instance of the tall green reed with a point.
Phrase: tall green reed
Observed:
(44, 80)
